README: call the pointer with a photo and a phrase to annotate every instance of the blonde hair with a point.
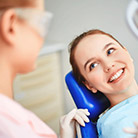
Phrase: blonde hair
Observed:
(17, 3)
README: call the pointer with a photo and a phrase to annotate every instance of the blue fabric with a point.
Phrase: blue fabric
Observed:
(122, 115)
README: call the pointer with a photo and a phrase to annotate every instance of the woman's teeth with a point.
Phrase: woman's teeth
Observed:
(116, 76)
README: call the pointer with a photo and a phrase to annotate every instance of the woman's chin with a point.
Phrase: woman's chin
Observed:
(28, 70)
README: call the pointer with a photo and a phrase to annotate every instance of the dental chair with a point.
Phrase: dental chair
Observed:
(84, 98)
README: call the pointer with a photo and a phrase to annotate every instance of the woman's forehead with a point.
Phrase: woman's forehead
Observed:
(96, 39)
(91, 45)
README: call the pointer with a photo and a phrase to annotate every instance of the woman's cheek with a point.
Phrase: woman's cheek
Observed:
(97, 77)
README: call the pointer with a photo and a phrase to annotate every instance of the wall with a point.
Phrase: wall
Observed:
(72, 17)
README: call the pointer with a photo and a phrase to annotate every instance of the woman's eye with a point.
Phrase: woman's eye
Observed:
(111, 50)
(93, 65)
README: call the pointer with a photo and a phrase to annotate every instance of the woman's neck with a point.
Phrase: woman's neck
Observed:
(6, 80)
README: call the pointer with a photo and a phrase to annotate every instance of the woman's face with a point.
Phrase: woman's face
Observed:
(105, 65)
(28, 42)
(27, 49)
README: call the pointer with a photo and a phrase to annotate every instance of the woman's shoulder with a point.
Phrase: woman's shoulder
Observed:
(11, 109)
(13, 115)
(125, 109)
(118, 117)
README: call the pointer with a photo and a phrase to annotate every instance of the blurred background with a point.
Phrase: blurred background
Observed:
(44, 90)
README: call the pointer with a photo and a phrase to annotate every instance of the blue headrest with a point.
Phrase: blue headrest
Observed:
(84, 98)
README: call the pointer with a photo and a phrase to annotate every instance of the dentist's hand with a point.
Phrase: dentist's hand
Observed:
(68, 122)
(133, 130)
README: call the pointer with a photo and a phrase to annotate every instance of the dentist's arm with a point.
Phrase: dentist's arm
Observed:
(132, 130)
(68, 122)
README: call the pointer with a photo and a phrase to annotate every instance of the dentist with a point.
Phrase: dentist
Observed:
(22, 30)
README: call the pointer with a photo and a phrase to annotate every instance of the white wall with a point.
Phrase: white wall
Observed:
(72, 17)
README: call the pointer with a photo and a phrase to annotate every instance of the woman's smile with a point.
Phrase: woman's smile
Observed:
(116, 76)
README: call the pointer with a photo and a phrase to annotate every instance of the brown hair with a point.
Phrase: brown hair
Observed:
(75, 69)
(17, 3)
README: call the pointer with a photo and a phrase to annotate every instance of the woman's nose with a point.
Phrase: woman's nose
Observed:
(108, 66)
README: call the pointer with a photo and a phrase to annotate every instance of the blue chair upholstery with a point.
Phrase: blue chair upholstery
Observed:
(83, 98)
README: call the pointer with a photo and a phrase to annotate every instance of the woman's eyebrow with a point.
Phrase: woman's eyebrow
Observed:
(107, 45)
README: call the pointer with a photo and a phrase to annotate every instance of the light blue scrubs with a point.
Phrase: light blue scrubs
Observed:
(122, 115)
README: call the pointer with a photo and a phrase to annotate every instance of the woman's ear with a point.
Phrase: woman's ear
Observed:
(90, 87)
(7, 26)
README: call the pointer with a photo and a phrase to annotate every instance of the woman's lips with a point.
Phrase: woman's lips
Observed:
(115, 77)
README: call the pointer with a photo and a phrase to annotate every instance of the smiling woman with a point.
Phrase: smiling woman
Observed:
(101, 63)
